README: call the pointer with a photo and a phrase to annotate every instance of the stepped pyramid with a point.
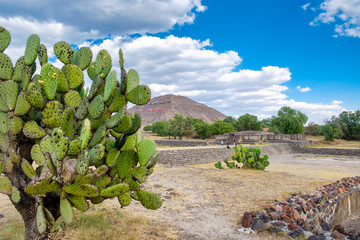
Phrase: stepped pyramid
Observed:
(165, 107)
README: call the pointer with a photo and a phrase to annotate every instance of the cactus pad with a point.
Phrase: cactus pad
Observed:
(79, 202)
(140, 95)
(111, 157)
(99, 135)
(60, 143)
(146, 149)
(91, 71)
(149, 200)
(5, 39)
(49, 77)
(110, 85)
(15, 125)
(135, 124)
(103, 63)
(125, 163)
(115, 119)
(42, 187)
(33, 130)
(66, 209)
(74, 147)
(72, 99)
(102, 181)
(67, 122)
(5, 185)
(82, 58)
(85, 133)
(18, 70)
(41, 219)
(124, 199)
(82, 190)
(63, 51)
(62, 85)
(121, 59)
(132, 80)
(22, 106)
(4, 122)
(15, 195)
(10, 91)
(82, 164)
(34, 96)
(114, 191)
(52, 114)
(124, 124)
(74, 75)
(96, 107)
(27, 169)
(100, 171)
(31, 50)
(6, 67)
(37, 155)
(42, 55)
(96, 153)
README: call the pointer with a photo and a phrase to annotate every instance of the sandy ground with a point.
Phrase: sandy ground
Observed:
(202, 202)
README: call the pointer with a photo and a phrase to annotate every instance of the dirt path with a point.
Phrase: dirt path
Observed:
(202, 202)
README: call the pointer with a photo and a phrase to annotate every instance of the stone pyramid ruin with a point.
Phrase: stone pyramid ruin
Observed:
(165, 107)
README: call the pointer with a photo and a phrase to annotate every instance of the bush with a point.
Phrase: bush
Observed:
(330, 131)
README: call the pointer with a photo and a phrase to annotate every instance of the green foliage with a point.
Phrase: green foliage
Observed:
(249, 158)
(248, 122)
(331, 130)
(202, 129)
(68, 133)
(350, 124)
(148, 128)
(177, 126)
(160, 128)
(312, 129)
(289, 121)
(220, 127)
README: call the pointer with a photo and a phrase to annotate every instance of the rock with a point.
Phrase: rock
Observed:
(338, 236)
(278, 208)
(278, 224)
(296, 233)
(274, 230)
(246, 220)
(317, 229)
(300, 222)
(340, 229)
(325, 226)
(296, 215)
(286, 219)
(264, 218)
(307, 226)
(292, 226)
(258, 225)
(317, 237)
(169, 189)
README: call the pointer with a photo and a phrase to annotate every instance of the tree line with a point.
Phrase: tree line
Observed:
(287, 121)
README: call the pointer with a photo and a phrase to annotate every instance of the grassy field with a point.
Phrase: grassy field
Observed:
(337, 143)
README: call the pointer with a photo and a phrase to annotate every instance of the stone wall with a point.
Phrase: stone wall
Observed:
(180, 143)
(329, 151)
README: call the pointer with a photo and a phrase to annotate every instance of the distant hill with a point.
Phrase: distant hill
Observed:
(165, 107)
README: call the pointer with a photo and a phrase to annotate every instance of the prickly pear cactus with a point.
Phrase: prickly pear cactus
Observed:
(249, 158)
(60, 143)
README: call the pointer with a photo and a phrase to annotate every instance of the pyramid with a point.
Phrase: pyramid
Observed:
(165, 107)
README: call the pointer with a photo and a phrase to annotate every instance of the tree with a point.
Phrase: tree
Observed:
(266, 123)
(219, 127)
(176, 126)
(57, 146)
(147, 128)
(350, 124)
(249, 122)
(189, 128)
(331, 130)
(232, 121)
(202, 129)
(312, 129)
(289, 121)
(160, 128)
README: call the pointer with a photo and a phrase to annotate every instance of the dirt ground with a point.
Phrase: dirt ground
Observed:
(202, 202)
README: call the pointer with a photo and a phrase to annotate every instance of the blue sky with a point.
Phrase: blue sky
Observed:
(236, 56)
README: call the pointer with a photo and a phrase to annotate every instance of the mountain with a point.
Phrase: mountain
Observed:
(165, 107)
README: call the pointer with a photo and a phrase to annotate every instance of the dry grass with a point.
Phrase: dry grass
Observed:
(337, 143)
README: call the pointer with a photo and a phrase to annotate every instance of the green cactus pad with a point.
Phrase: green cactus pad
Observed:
(67, 122)
(15, 195)
(5, 39)
(52, 114)
(130, 143)
(96, 107)
(85, 133)
(123, 81)
(34, 96)
(146, 149)
(62, 85)
(78, 202)
(82, 190)
(18, 70)
(22, 106)
(41, 219)
(110, 85)
(140, 95)
(74, 147)
(100, 171)
(46, 145)
(124, 124)
(135, 124)
(111, 157)
(96, 153)
(49, 77)
(27, 169)
(37, 155)
(125, 163)
(27, 73)
(31, 50)
(124, 199)
(103, 63)
(74, 75)
(118, 101)
(115, 119)
(121, 59)
(82, 58)
(42, 187)
(4, 142)
(33, 130)
(60, 143)
(3, 106)
(6, 67)
(91, 71)
(5, 185)
(14, 156)
(66, 209)
(63, 51)
(140, 174)
(15, 125)
(97, 84)
(149, 200)
(109, 144)
(86, 179)
(42, 55)
(72, 99)
(95, 123)
(97, 200)
(82, 164)
(98, 135)
(4, 122)
(49, 217)
(132, 80)
(10, 91)
(114, 191)
(102, 181)
(83, 109)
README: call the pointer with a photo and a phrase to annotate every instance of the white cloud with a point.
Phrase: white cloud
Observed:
(303, 90)
(345, 13)
(337, 102)
(305, 6)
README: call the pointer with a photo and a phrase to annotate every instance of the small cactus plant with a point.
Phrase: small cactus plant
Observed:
(249, 158)
(62, 147)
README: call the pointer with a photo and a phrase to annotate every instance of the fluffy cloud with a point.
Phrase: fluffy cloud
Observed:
(187, 67)
(346, 12)
(305, 6)
(303, 90)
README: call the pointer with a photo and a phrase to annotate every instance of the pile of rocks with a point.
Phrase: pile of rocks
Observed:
(305, 215)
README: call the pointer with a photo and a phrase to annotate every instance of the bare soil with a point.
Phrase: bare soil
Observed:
(202, 202)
